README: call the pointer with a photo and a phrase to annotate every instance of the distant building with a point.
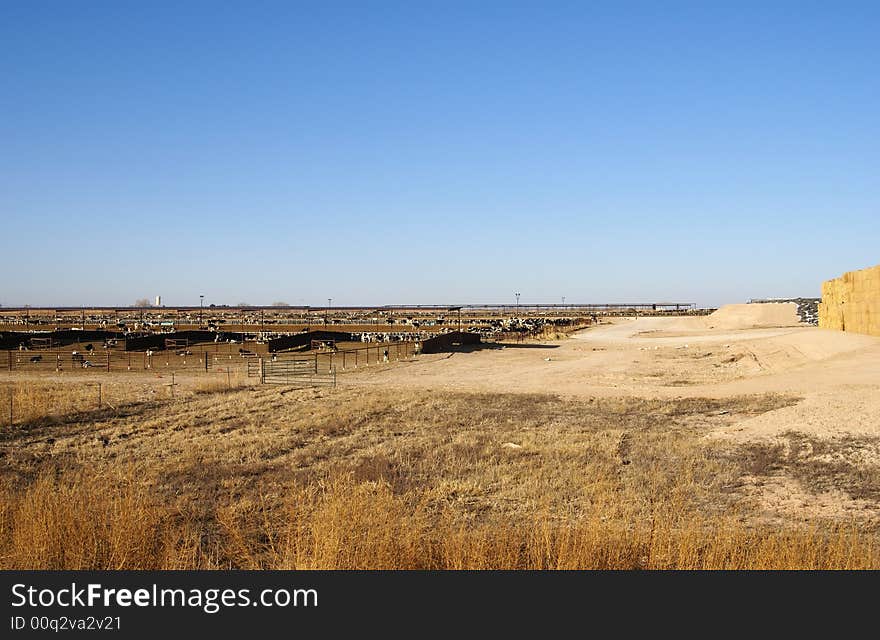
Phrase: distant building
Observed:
(158, 301)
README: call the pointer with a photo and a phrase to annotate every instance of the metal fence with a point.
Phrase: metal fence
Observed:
(26, 403)
(295, 371)
(101, 360)
(119, 361)
(374, 353)
(322, 367)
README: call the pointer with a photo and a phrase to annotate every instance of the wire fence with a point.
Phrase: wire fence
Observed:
(24, 402)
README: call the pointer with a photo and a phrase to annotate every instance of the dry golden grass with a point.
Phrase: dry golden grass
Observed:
(32, 401)
(52, 398)
(265, 477)
(222, 381)
(84, 524)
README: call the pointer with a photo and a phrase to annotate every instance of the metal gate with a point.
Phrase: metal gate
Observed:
(294, 371)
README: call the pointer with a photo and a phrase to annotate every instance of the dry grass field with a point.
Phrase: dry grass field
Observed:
(277, 478)
(437, 464)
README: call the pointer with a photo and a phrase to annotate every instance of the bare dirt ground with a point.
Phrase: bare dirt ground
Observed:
(835, 376)
(628, 357)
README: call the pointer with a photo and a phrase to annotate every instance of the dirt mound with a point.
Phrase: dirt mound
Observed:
(750, 316)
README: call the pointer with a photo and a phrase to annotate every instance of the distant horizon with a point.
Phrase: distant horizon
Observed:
(398, 305)
(316, 303)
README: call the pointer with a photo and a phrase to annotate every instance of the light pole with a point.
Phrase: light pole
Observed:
(459, 316)
(517, 294)
(327, 313)
(201, 308)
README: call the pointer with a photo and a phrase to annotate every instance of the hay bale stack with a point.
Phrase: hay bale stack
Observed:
(852, 302)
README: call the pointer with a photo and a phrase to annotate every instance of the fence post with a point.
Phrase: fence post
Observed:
(262, 371)
(108, 360)
(99, 395)
(206, 362)
(11, 391)
(316, 364)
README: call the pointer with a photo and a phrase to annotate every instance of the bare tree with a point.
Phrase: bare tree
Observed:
(142, 302)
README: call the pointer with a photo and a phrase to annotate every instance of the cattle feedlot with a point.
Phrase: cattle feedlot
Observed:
(584, 436)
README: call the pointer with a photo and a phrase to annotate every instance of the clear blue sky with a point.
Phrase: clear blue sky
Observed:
(435, 152)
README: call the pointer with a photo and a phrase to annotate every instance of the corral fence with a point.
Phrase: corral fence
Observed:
(374, 353)
(194, 360)
(294, 371)
(120, 361)
(322, 367)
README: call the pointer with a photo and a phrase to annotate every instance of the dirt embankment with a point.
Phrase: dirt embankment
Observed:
(750, 316)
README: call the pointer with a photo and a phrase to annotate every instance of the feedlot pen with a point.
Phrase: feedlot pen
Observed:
(304, 369)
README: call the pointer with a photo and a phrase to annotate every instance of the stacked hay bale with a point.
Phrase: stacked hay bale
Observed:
(852, 302)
